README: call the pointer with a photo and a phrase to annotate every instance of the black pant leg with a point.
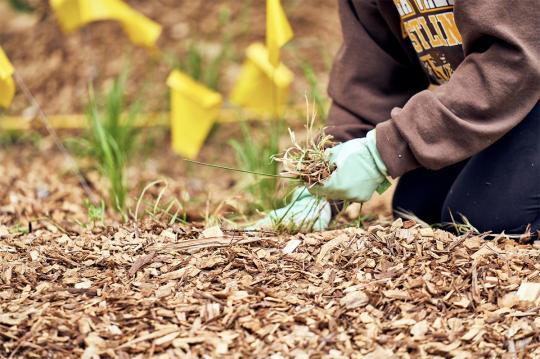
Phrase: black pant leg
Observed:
(422, 192)
(499, 188)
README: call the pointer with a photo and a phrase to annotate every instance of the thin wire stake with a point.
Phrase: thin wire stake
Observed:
(237, 169)
(56, 139)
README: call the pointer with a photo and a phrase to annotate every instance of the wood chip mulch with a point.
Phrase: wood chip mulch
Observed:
(126, 291)
(153, 291)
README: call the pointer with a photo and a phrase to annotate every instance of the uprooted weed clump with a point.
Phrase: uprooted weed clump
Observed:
(308, 160)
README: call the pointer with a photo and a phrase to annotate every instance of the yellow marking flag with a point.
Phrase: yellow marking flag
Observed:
(278, 30)
(7, 85)
(73, 14)
(262, 88)
(194, 109)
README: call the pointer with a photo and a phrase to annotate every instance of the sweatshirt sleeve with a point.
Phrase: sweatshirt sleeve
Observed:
(490, 92)
(372, 72)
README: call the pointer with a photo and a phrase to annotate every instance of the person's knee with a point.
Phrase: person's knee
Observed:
(454, 214)
(426, 210)
(422, 192)
(487, 216)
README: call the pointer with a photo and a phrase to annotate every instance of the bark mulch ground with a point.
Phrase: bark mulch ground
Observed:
(121, 290)
(395, 291)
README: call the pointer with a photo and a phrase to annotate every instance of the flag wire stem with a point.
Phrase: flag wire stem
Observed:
(236, 169)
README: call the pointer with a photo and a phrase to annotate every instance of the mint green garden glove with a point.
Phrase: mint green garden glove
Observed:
(359, 171)
(305, 213)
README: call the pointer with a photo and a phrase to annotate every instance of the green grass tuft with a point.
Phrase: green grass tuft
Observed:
(21, 6)
(112, 137)
(254, 154)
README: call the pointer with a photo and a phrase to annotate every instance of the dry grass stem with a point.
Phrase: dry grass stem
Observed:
(308, 161)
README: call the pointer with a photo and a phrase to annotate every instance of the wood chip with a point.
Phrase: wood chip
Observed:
(529, 292)
(4, 232)
(212, 232)
(327, 248)
(141, 262)
(419, 330)
(354, 300)
(291, 246)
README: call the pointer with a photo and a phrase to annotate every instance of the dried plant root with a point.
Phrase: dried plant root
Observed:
(308, 161)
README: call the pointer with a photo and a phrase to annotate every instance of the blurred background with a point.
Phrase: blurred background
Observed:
(97, 74)
(57, 67)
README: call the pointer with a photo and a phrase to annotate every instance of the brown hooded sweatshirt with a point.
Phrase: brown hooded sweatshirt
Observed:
(484, 54)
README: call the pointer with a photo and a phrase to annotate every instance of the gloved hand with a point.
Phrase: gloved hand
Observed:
(359, 171)
(305, 213)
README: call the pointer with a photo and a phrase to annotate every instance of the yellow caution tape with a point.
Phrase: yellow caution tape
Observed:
(194, 109)
(278, 30)
(157, 119)
(73, 14)
(74, 121)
